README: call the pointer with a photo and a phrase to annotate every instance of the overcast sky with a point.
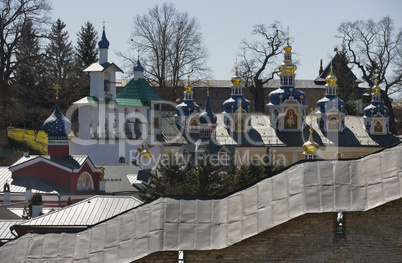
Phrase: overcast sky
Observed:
(224, 23)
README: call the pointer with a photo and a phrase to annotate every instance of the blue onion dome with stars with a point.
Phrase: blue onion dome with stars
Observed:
(57, 126)
(376, 107)
(330, 100)
(103, 43)
(188, 106)
(208, 116)
(287, 79)
(237, 101)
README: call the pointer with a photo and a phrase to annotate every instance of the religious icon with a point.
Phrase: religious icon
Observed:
(240, 124)
(378, 126)
(290, 120)
(333, 124)
(84, 182)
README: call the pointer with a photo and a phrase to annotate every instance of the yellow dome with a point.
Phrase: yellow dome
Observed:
(236, 79)
(376, 88)
(287, 48)
(287, 67)
(310, 147)
(331, 79)
(188, 86)
(146, 153)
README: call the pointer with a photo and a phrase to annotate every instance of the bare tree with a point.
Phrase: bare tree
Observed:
(171, 42)
(257, 65)
(375, 46)
(14, 17)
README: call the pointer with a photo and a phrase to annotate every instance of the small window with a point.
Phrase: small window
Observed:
(290, 81)
(206, 133)
(285, 81)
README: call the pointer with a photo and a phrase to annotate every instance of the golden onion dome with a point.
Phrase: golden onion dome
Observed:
(331, 79)
(146, 153)
(376, 88)
(310, 147)
(188, 86)
(287, 67)
(236, 79)
(287, 48)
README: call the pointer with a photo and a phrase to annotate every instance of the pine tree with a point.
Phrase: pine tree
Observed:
(86, 49)
(60, 64)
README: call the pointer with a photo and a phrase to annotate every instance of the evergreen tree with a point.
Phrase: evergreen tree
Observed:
(29, 81)
(60, 64)
(87, 48)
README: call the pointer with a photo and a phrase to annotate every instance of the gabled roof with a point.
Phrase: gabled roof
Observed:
(194, 223)
(96, 67)
(320, 80)
(38, 185)
(84, 213)
(70, 163)
(138, 93)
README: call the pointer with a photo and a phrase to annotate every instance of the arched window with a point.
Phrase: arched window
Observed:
(290, 80)
(85, 182)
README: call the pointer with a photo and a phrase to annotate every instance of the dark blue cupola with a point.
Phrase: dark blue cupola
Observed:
(331, 109)
(57, 126)
(187, 112)
(287, 105)
(376, 115)
(208, 116)
(237, 101)
(103, 43)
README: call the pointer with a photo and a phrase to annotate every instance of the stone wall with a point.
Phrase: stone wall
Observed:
(372, 236)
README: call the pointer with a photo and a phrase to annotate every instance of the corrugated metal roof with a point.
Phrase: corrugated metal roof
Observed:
(87, 212)
(173, 224)
(72, 162)
(5, 233)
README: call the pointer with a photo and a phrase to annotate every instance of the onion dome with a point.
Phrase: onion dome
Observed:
(376, 108)
(57, 126)
(282, 94)
(310, 147)
(208, 116)
(146, 153)
(287, 67)
(103, 43)
(138, 66)
(330, 100)
(236, 79)
(188, 87)
(234, 103)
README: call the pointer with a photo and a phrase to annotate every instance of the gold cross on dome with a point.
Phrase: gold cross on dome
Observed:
(57, 89)
(138, 50)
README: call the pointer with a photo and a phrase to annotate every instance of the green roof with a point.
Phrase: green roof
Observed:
(138, 93)
(106, 65)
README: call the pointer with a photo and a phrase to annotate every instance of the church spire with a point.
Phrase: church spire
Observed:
(103, 47)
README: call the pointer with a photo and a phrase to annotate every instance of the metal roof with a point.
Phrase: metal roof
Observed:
(116, 178)
(38, 185)
(264, 134)
(173, 224)
(70, 161)
(85, 213)
(137, 93)
(5, 233)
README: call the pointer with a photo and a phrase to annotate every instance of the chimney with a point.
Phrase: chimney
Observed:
(6, 194)
(320, 70)
(28, 192)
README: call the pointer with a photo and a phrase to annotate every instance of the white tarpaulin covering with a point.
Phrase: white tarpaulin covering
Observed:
(193, 224)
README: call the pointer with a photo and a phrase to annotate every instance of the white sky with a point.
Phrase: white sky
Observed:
(224, 23)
